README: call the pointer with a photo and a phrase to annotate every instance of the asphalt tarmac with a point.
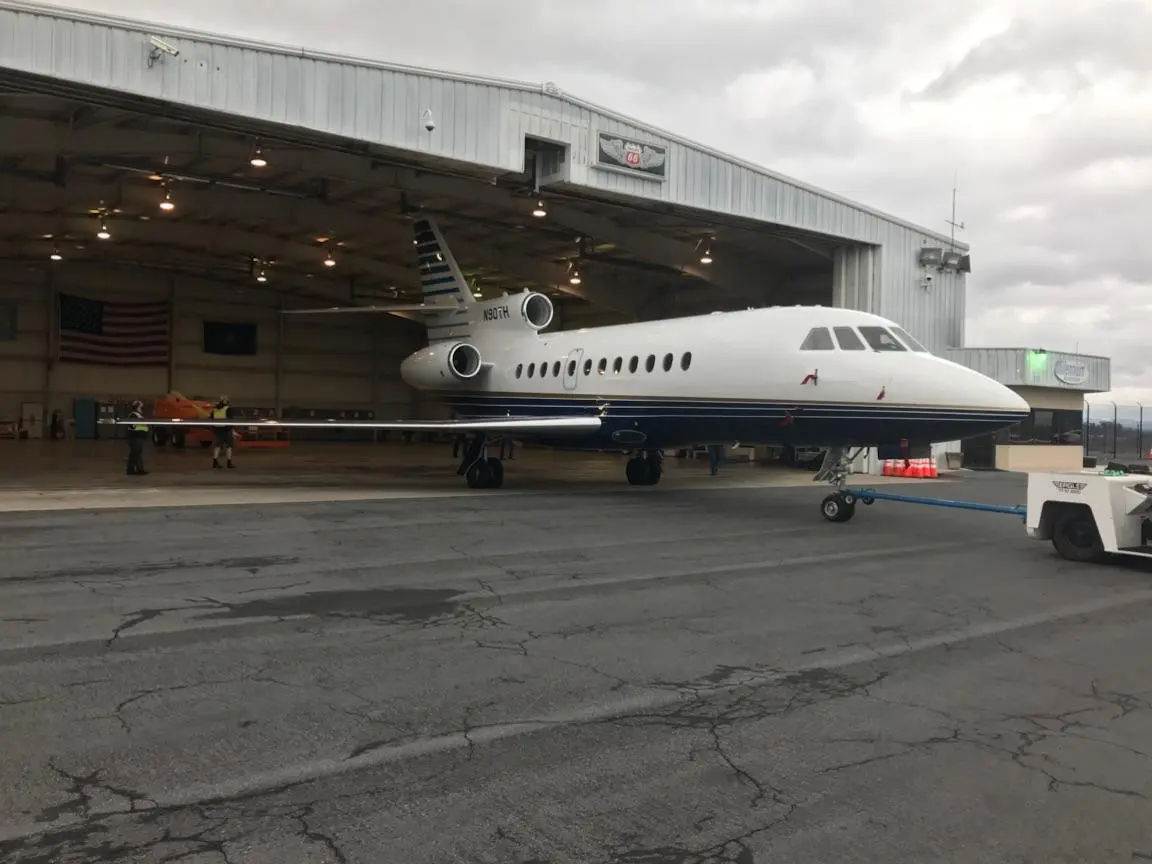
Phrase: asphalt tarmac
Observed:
(640, 675)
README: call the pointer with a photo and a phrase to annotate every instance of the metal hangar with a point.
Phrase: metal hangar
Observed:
(225, 180)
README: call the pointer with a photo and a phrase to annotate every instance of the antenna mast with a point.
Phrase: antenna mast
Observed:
(953, 221)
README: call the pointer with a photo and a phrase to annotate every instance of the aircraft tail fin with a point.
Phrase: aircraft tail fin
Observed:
(442, 284)
(447, 297)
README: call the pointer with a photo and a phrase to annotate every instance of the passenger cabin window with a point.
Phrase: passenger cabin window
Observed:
(880, 339)
(848, 339)
(904, 337)
(818, 339)
(543, 370)
(686, 360)
(668, 362)
(519, 369)
(633, 363)
(650, 363)
(571, 367)
(602, 366)
(556, 369)
(588, 366)
(617, 365)
(531, 369)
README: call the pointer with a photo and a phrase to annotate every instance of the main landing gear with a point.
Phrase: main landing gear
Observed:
(480, 470)
(645, 469)
(840, 505)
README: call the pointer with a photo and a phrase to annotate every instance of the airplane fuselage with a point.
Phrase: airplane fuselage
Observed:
(755, 376)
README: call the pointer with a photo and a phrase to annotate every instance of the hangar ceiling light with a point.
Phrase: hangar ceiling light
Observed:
(539, 212)
(167, 205)
(258, 160)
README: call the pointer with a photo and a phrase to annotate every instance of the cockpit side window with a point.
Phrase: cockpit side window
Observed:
(904, 337)
(848, 339)
(818, 339)
(880, 339)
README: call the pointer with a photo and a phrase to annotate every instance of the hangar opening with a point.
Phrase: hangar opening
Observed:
(187, 232)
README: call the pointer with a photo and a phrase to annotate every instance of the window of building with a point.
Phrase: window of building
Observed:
(686, 360)
(818, 339)
(848, 339)
(588, 366)
(617, 365)
(519, 369)
(602, 366)
(650, 363)
(880, 339)
(904, 337)
(633, 363)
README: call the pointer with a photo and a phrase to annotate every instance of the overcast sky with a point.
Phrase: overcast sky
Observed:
(1042, 107)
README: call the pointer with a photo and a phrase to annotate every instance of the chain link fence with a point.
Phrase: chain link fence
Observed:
(1118, 432)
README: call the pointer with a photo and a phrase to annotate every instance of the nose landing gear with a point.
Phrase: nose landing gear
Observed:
(840, 506)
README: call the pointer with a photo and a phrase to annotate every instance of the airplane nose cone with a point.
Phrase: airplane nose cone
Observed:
(994, 396)
(1013, 401)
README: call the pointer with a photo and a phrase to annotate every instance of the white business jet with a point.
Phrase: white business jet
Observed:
(811, 376)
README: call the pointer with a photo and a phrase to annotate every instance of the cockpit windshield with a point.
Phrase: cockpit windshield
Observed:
(880, 339)
(907, 339)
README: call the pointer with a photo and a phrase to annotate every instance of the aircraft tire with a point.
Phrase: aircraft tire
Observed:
(496, 473)
(636, 472)
(835, 508)
(479, 474)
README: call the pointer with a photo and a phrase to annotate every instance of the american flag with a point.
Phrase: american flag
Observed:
(114, 334)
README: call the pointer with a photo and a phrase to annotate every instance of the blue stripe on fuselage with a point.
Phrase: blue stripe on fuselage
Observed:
(668, 422)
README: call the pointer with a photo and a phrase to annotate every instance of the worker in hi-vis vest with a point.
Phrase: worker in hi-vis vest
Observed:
(137, 435)
(222, 410)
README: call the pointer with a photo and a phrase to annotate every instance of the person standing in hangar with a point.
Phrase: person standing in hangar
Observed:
(137, 435)
(222, 410)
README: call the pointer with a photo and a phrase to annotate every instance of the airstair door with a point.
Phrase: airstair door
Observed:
(572, 368)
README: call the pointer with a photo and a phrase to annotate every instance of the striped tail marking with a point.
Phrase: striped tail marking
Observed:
(441, 281)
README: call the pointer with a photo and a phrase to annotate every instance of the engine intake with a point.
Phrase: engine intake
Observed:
(464, 360)
(537, 310)
(442, 366)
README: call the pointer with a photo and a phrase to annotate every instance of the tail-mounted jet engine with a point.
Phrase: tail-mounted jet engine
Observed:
(536, 310)
(442, 365)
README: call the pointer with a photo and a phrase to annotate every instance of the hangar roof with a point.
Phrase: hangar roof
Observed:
(97, 118)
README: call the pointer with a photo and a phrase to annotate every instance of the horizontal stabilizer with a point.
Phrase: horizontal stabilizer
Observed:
(343, 310)
(541, 425)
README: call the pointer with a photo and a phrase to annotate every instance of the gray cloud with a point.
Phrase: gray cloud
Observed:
(880, 101)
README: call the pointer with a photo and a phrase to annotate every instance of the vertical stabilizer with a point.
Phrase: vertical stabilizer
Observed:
(441, 282)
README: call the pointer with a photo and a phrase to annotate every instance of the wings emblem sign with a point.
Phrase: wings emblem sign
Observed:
(633, 156)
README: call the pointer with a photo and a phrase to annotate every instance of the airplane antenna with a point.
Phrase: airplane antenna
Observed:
(955, 225)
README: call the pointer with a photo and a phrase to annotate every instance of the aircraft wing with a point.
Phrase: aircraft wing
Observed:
(541, 425)
(344, 310)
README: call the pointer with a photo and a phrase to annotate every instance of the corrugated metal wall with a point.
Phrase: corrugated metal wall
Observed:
(1015, 367)
(479, 121)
